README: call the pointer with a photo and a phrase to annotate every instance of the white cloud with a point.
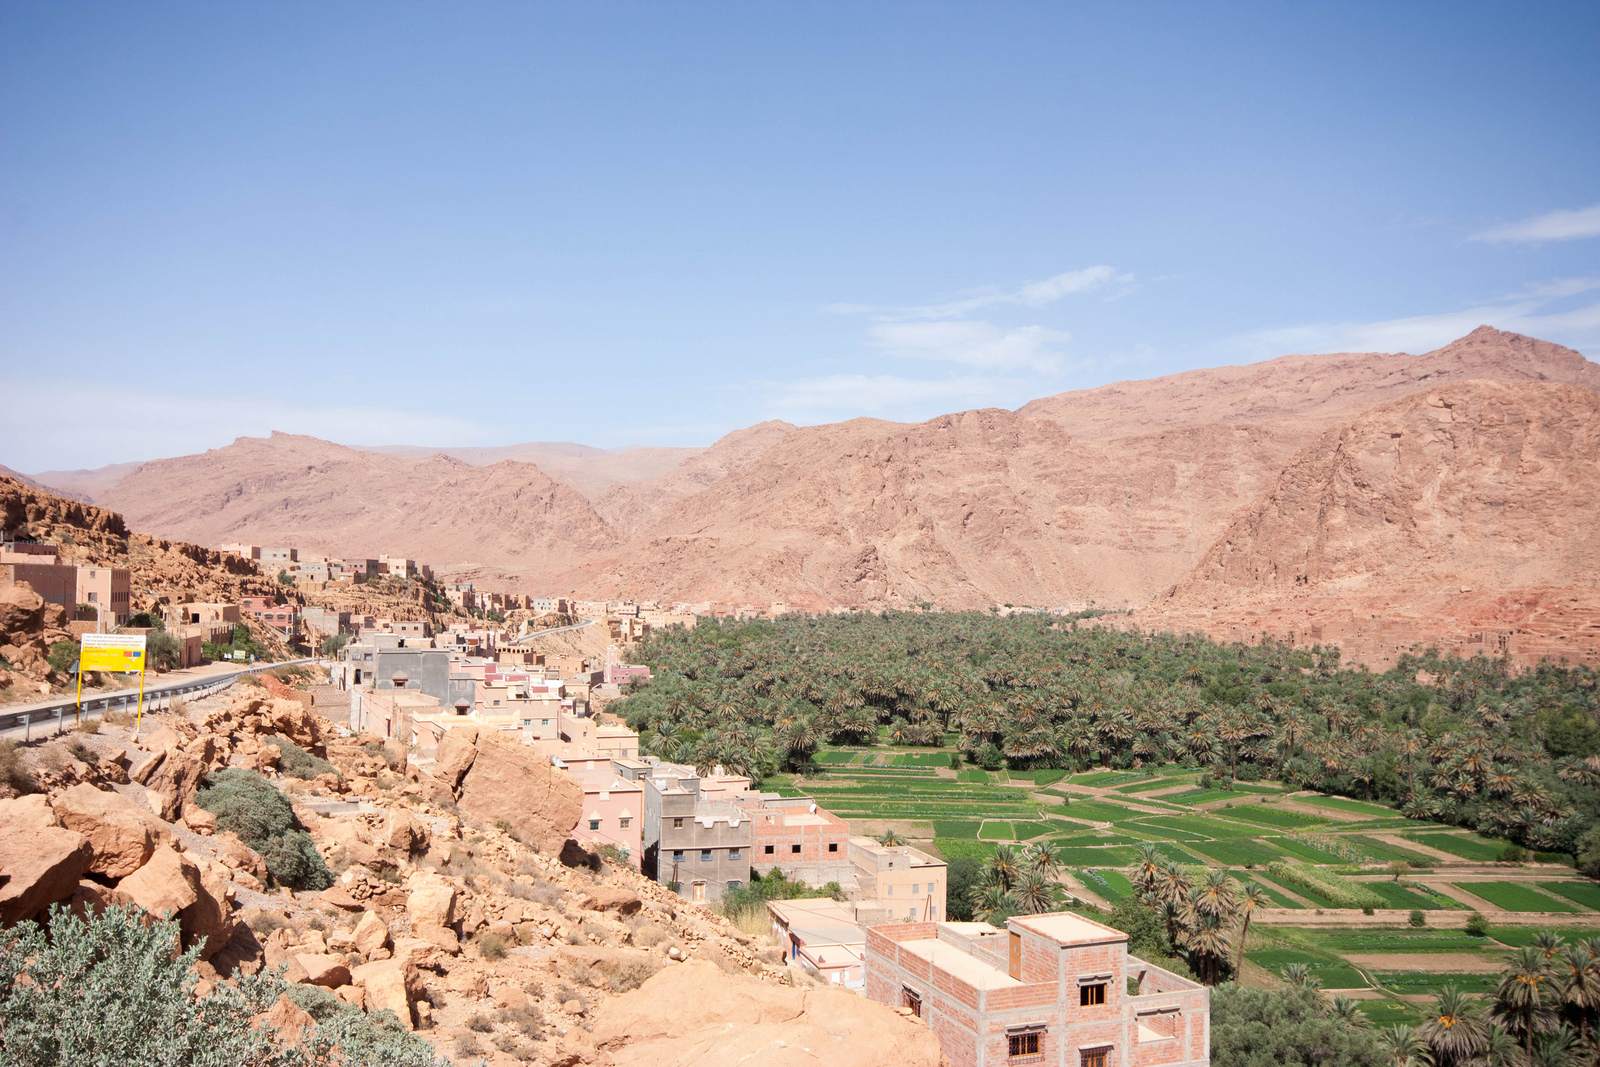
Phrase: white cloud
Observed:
(1534, 311)
(1035, 294)
(971, 343)
(145, 425)
(1553, 226)
(832, 396)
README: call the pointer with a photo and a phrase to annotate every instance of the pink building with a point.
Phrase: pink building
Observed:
(1054, 989)
(613, 806)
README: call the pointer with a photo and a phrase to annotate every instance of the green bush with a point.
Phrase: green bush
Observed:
(296, 762)
(116, 990)
(1477, 925)
(63, 657)
(348, 1037)
(248, 805)
(1417, 918)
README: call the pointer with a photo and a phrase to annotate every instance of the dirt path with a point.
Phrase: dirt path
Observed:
(1436, 962)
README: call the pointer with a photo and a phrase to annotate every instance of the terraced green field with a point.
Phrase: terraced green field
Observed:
(1097, 820)
(1514, 896)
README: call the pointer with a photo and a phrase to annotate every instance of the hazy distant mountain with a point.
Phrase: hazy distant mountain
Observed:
(1228, 485)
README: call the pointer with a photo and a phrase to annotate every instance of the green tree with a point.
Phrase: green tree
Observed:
(1455, 1031)
(1286, 1028)
(63, 657)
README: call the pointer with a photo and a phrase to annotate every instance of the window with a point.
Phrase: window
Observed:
(733, 853)
(1094, 1057)
(1024, 1046)
(677, 824)
(833, 846)
(794, 849)
(1091, 995)
(594, 824)
(766, 850)
(910, 998)
(734, 884)
(705, 855)
(677, 855)
(625, 822)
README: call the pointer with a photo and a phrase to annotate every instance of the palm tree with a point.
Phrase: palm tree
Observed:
(1035, 893)
(1044, 858)
(1250, 901)
(1207, 938)
(1147, 868)
(1003, 867)
(1548, 942)
(1401, 1046)
(1558, 1048)
(1577, 976)
(1345, 1010)
(1525, 999)
(990, 900)
(890, 839)
(1456, 1032)
(1299, 975)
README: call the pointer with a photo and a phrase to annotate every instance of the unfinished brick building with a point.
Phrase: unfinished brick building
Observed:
(1053, 989)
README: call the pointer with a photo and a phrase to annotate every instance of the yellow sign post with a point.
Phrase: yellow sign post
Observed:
(118, 653)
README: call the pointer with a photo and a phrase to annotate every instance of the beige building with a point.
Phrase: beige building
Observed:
(109, 589)
(906, 882)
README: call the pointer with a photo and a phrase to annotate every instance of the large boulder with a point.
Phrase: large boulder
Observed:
(371, 936)
(39, 866)
(122, 834)
(431, 902)
(696, 1014)
(511, 783)
(172, 885)
(457, 750)
(173, 784)
(323, 969)
(31, 812)
(392, 985)
(21, 611)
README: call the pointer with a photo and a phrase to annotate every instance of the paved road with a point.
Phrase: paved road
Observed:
(46, 717)
(526, 634)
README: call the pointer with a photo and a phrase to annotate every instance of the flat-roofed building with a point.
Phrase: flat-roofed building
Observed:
(824, 937)
(109, 589)
(907, 882)
(613, 806)
(55, 583)
(796, 836)
(698, 847)
(1055, 989)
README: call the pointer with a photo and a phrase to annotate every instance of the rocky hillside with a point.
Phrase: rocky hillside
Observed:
(329, 498)
(1107, 497)
(458, 901)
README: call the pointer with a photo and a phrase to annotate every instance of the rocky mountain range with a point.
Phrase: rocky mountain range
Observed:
(1198, 499)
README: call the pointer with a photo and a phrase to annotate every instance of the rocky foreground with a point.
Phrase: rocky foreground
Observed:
(458, 901)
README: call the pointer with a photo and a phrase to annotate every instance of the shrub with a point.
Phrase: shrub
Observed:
(1418, 917)
(492, 947)
(1513, 854)
(361, 1040)
(1477, 925)
(247, 804)
(87, 726)
(63, 657)
(115, 989)
(13, 772)
(296, 762)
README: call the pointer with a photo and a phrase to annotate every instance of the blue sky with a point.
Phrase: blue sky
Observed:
(653, 223)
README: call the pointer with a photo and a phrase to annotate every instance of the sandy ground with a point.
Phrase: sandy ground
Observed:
(1455, 962)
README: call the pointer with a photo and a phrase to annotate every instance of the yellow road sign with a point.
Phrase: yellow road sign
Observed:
(111, 652)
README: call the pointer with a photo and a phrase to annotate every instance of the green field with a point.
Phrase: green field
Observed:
(1403, 895)
(1331, 971)
(1514, 896)
(1238, 852)
(1404, 983)
(1358, 807)
(1522, 936)
(1113, 885)
(1467, 846)
(1584, 893)
(1267, 815)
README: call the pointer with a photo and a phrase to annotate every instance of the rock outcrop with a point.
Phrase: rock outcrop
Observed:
(38, 867)
(508, 782)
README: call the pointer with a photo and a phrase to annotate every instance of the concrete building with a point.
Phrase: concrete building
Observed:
(803, 840)
(57, 584)
(109, 589)
(1054, 989)
(698, 847)
(214, 622)
(283, 618)
(824, 937)
(274, 560)
(908, 883)
(613, 806)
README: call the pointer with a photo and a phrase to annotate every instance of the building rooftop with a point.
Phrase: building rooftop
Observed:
(1065, 928)
(958, 964)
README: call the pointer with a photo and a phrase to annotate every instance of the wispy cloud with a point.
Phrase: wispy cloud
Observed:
(1036, 294)
(834, 396)
(971, 343)
(1553, 226)
(1538, 310)
(176, 424)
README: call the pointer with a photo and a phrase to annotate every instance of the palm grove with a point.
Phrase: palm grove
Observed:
(1461, 741)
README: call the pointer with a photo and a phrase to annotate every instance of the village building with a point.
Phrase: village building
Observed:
(825, 937)
(806, 842)
(213, 622)
(109, 589)
(284, 618)
(1055, 989)
(906, 882)
(613, 806)
(698, 847)
(55, 583)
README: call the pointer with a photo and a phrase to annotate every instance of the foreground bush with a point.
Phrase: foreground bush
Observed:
(247, 804)
(296, 762)
(115, 992)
